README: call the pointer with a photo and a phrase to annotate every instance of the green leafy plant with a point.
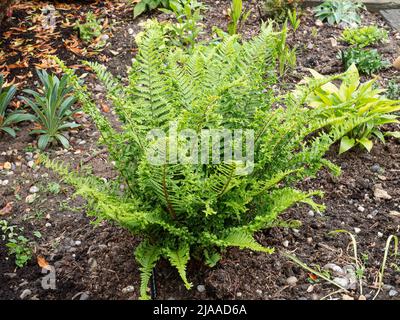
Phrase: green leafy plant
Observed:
(54, 187)
(187, 210)
(237, 16)
(279, 9)
(16, 243)
(91, 29)
(294, 19)
(52, 109)
(339, 11)
(147, 5)
(357, 98)
(10, 119)
(364, 36)
(188, 14)
(393, 89)
(287, 56)
(367, 61)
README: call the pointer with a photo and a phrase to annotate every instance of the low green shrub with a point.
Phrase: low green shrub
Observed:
(278, 9)
(195, 209)
(357, 98)
(52, 109)
(364, 36)
(339, 11)
(367, 61)
(91, 29)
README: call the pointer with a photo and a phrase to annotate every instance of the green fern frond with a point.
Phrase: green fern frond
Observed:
(147, 256)
(243, 240)
(179, 259)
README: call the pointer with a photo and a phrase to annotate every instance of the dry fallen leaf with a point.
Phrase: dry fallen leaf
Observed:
(105, 108)
(7, 209)
(43, 263)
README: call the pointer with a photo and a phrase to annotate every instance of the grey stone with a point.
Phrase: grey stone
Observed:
(291, 281)
(201, 288)
(84, 296)
(34, 189)
(343, 282)
(392, 17)
(26, 293)
(393, 293)
(128, 289)
(338, 271)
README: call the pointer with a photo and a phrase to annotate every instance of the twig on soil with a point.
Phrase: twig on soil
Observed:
(382, 270)
(356, 260)
(96, 154)
(331, 294)
(319, 274)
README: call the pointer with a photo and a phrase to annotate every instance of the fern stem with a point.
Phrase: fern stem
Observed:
(166, 195)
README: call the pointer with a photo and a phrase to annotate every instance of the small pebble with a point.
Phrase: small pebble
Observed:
(357, 230)
(380, 234)
(376, 168)
(311, 213)
(392, 293)
(285, 243)
(361, 209)
(78, 242)
(128, 289)
(201, 288)
(7, 166)
(33, 189)
(291, 281)
(259, 292)
(84, 296)
(25, 294)
(344, 282)
(335, 268)
(30, 198)
(48, 225)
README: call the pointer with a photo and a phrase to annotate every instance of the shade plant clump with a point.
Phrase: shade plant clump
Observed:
(9, 119)
(364, 36)
(187, 209)
(53, 108)
(363, 99)
(367, 61)
(339, 11)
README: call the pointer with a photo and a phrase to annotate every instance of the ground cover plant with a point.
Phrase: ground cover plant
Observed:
(364, 36)
(278, 9)
(368, 61)
(337, 11)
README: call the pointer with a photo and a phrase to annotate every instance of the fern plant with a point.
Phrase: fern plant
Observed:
(189, 210)
(7, 120)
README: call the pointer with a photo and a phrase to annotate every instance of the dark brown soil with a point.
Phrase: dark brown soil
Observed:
(95, 261)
